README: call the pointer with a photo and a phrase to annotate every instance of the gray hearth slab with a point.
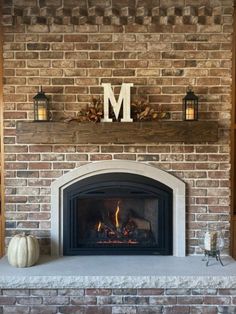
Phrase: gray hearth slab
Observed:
(120, 272)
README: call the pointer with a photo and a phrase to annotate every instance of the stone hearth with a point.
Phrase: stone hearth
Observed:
(120, 272)
(119, 284)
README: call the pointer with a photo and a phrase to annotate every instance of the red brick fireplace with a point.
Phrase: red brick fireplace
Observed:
(72, 47)
(161, 47)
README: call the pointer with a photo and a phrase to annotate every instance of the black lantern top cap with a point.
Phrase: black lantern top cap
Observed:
(41, 96)
(190, 94)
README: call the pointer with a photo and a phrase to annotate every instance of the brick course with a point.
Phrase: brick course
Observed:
(161, 46)
(112, 301)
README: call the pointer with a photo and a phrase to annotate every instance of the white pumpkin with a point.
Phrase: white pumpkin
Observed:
(23, 250)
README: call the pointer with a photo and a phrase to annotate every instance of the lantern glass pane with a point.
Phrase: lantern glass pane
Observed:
(189, 113)
(42, 112)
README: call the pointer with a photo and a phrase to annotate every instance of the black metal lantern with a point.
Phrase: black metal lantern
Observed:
(190, 106)
(41, 107)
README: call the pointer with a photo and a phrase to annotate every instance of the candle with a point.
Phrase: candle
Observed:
(210, 241)
(42, 113)
(189, 113)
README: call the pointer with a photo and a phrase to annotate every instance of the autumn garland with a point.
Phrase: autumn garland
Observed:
(140, 111)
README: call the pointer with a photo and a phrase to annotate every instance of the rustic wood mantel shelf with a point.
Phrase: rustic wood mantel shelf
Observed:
(116, 132)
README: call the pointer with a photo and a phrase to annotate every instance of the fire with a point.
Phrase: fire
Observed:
(116, 215)
(99, 226)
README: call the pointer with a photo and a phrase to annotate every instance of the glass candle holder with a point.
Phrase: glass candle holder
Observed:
(212, 244)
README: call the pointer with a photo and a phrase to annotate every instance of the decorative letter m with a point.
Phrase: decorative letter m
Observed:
(116, 106)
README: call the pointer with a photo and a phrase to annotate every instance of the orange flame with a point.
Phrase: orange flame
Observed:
(99, 226)
(116, 215)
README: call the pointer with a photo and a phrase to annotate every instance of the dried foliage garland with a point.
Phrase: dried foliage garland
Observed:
(140, 111)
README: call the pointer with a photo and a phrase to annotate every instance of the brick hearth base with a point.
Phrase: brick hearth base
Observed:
(119, 284)
(117, 301)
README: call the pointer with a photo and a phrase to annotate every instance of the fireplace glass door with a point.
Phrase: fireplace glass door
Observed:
(117, 214)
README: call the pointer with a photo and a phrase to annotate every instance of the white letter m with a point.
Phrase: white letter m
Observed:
(116, 106)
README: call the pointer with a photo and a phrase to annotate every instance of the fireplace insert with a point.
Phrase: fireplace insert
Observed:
(117, 213)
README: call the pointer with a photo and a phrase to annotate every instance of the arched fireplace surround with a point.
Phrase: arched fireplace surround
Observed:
(84, 177)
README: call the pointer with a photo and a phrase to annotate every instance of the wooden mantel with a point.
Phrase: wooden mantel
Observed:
(116, 132)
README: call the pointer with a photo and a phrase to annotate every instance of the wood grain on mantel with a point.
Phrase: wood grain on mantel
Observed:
(116, 132)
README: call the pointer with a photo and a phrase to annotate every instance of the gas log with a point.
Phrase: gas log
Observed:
(118, 228)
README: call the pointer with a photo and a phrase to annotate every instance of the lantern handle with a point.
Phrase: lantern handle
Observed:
(189, 88)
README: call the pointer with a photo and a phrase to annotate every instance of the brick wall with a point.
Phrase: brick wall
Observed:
(117, 301)
(161, 47)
